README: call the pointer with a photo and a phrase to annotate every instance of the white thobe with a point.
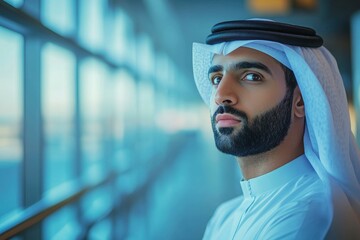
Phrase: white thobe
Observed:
(290, 202)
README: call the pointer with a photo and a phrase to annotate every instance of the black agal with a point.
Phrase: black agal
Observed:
(264, 30)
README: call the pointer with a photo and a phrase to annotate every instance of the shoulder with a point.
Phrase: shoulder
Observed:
(307, 189)
(305, 212)
(299, 220)
(310, 200)
(226, 208)
(221, 215)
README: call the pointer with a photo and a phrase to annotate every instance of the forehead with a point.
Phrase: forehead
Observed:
(245, 54)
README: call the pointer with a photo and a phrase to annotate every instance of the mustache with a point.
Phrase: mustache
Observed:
(230, 110)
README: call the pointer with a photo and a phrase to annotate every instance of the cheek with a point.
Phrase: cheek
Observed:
(213, 106)
(274, 97)
(264, 99)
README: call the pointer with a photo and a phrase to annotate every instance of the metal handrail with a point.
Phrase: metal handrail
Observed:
(47, 206)
(39, 211)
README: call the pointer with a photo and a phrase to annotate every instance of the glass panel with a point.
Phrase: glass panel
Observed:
(145, 55)
(146, 104)
(11, 117)
(62, 225)
(146, 107)
(122, 44)
(92, 23)
(355, 37)
(59, 15)
(124, 112)
(162, 69)
(124, 92)
(96, 204)
(101, 230)
(15, 3)
(92, 78)
(58, 101)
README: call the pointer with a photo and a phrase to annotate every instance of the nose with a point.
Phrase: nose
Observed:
(226, 91)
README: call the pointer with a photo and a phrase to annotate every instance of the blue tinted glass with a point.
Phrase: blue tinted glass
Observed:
(93, 76)
(59, 15)
(121, 38)
(146, 106)
(145, 55)
(355, 37)
(97, 203)
(62, 224)
(58, 104)
(101, 230)
(124, 116)
(92, 25)
(11, 117)
(15, 3)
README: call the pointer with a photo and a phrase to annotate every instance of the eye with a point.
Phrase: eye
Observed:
(215, 80)
(252, 77)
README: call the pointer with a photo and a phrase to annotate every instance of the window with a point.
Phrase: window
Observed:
(122, 47)
(97, 204)
(101, 230)
(58, 103)
(145, 55)
(11, 108)
(92, 23)
(59, 15)
(124, 116)
(93, 76)
(62, 225)
(15, 3)
(89, 118)
(355, 37)
(146, 104)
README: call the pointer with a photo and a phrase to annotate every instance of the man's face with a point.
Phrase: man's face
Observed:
(250, 105)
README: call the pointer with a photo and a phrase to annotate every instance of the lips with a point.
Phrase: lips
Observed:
(227, 120)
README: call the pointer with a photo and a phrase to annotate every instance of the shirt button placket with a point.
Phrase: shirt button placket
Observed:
(248, 202)
(250, 190)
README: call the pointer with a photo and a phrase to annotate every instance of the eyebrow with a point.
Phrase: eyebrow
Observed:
(239, 66)
(215, 68)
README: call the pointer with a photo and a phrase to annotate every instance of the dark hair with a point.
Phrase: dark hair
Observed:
(290, 79)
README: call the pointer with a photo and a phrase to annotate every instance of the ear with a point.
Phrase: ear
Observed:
(298, 103)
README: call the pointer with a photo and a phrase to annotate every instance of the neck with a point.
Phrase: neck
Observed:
(260, 164)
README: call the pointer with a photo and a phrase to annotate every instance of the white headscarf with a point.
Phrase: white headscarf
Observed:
(328, 141)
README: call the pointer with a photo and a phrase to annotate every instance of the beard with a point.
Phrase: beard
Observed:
(263, 133)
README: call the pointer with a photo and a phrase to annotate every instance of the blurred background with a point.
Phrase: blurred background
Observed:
(102, 132)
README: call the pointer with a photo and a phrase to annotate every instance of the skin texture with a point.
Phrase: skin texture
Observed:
(254, 90)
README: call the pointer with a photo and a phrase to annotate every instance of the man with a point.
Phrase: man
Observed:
(278, 105)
